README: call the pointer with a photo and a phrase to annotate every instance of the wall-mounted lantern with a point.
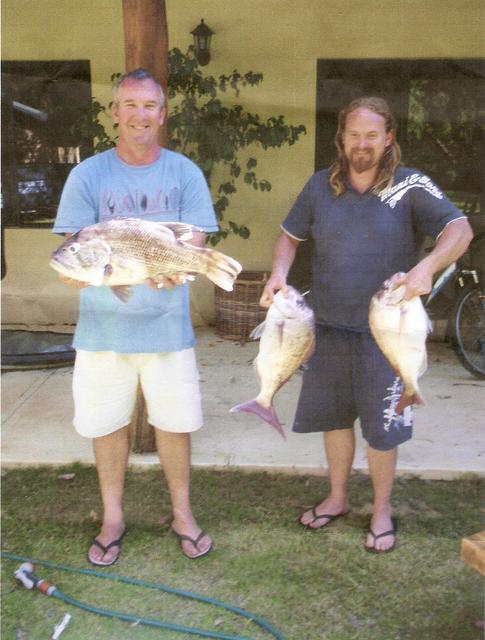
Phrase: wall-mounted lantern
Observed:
(202, 41)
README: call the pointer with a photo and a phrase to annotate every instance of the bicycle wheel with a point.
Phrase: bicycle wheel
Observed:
(468, 336)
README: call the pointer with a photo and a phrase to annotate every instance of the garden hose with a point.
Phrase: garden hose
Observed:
(26, 576)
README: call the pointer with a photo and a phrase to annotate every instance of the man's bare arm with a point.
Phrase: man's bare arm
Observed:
(451, 244)
(283, 256)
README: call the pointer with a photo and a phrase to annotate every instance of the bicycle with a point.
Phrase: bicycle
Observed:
(467, 320)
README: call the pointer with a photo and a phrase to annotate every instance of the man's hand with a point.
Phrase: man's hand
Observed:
(171, 281)
(275, 283)
(77, 284)
(418, 281)
(283, 255)
(168, 282)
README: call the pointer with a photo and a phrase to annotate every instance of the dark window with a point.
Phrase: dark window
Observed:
(439, 108)
(45, 106)
(441, 123)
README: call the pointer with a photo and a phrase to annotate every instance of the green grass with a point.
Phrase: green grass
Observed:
(310, 585)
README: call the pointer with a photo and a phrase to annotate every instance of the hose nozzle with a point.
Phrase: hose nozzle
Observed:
(25, 575)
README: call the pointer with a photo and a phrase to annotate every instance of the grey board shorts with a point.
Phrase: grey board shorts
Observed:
(346, 378)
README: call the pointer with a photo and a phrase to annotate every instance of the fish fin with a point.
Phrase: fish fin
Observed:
(124, 219)
(310, 349)
(122, 292)
(257, 332)
(424, 365)
(266, 414)
(180, 230)
(429, 324)
(407, 401)
(182, 277)
(222, 270)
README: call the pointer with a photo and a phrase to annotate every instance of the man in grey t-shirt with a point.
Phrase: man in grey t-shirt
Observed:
(367, 217)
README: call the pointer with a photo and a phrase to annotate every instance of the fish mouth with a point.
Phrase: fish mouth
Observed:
(391, 296)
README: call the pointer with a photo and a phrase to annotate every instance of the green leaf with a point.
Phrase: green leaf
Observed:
(210, 132)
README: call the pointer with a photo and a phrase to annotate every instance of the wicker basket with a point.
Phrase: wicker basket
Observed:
(238, 311)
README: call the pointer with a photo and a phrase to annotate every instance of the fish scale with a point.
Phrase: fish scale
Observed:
(126, 251)
(287, 340)
(400, 328)
(156, 257)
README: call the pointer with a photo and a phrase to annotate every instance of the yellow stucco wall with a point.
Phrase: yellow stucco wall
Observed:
(283, 39)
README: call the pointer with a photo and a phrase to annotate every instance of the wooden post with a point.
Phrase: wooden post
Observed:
(146, 41)
(142, 436)
(146, 46)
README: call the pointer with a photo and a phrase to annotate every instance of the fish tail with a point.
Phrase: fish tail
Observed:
(407, 400)
(268, 414)
(222, 270)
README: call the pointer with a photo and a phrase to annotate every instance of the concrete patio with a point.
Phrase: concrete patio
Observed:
(448, 441)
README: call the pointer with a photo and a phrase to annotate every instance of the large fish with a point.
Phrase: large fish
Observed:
(287, 338)
(400, 328)
(126, 251)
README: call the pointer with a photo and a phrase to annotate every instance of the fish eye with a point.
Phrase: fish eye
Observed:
(73, 248)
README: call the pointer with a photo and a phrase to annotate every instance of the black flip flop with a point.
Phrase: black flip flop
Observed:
(391, 532)
(330, 517)
(195, 542)
(105, 549)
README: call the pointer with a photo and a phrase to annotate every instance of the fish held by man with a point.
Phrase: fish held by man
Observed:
(126, 251)
(400, 328)
(287, 339)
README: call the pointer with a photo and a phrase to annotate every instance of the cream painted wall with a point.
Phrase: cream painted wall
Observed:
(279, 38)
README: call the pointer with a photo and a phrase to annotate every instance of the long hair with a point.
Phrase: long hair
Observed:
(390, 159)
(138, 74)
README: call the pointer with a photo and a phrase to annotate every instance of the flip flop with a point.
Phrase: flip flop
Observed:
(391, 532)
(105, 549)
(329, 517)
(181, 537)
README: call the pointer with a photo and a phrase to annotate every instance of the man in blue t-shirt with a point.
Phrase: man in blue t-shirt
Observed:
(148, 339)
(367, 217)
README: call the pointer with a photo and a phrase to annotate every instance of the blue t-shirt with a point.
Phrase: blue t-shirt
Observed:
(362, 239)
(171, 189)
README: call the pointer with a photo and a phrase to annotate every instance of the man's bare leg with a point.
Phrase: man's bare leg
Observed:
(174, 454)
(382, 469)
(340, 449)
(111, 454)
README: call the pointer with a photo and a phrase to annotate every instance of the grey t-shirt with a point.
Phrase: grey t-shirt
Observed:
(362, 239)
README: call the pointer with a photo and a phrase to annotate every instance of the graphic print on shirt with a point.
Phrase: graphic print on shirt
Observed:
(390, 418)
(140, 204)
(414, 181)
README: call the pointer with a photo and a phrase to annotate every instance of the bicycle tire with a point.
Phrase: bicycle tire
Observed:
(468, 331)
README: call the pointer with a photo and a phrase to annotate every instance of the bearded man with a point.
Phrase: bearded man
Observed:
(367, 217)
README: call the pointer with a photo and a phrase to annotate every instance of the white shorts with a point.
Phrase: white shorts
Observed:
(105, 386)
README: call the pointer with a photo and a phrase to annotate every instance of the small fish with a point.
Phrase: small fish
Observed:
(287, 339)
(126, 251)
(400, 328)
